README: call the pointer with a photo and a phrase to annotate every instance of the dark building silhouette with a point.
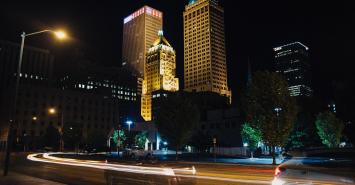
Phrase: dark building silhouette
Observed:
(88, 111)
(117, 84)
(292, 61)
(36, 69)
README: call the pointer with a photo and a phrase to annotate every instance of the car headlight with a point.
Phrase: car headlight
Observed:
(277, 181)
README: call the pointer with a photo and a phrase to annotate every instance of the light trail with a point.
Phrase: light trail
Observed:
(99, 165)
(182, 172)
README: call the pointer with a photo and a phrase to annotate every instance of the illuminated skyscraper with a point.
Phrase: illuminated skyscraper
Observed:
(292, 61)
(159, 74)
(205, 68)
(139, 32)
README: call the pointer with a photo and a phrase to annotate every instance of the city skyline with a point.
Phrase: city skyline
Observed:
(256, 32)
(176, 92)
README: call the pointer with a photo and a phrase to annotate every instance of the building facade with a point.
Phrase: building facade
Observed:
(159, 74)
(36, 69)
(224, 125)
(111, 82)
(139, 33)
(205, 67)
(88, 111)
(292, 61)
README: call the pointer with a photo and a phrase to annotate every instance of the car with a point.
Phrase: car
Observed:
(139, 153)
(318, 167)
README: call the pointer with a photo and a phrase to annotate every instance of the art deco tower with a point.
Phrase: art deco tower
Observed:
(159, 74)
(205, 68)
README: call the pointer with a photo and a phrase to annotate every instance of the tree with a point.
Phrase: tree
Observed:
(296, 139)
(119, 137)
(96, 139)
(140, 139)
(270, 108)
(51, 137)
(72, 135)
(251, 136)
(201, 140)
(329, 129)
(176, 119)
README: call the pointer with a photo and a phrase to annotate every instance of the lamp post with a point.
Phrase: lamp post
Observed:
(277, 110)
(129, 123)
(59, 35)
(61, 141)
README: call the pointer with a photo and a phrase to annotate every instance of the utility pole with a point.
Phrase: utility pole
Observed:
(214, 148)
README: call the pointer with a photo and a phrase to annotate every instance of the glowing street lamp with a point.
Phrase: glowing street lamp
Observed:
(60, 35)
(129, 123)
(52, 111)
(34, 118)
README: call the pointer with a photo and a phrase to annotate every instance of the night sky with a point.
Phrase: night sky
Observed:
(252, 30)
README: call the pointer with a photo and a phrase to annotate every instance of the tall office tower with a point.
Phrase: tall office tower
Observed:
(139, 32)
(205, 68)
(292, 61)
(159, 74)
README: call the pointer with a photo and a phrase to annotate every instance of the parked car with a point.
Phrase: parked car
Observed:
(139, 153)
(318, 167)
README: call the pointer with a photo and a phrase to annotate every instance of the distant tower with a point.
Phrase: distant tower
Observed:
(159, 73)
(292, 61)
(205, 68)
(139, 33)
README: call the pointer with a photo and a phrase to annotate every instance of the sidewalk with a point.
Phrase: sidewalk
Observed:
(15, 178)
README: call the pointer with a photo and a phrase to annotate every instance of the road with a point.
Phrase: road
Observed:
(114, 175)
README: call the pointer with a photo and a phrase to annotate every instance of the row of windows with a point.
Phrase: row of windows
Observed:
(196, 13)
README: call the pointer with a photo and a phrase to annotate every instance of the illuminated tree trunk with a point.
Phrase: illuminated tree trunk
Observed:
(273, 155)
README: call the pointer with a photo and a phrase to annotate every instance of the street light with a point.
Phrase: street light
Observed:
(34, 118)
(51, 111)
(278, 109)
(59, 35)
(129, 123)
(61, 142)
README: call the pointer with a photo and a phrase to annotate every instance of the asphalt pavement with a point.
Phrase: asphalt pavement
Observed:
(77, 175)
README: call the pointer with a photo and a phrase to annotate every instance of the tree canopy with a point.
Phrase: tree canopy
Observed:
(140, 139)
(251, 136)
(176, 120)
(270, 108)
(329, 129)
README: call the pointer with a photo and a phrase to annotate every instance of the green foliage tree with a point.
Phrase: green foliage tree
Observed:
(96, 139)
(72, 135)
(296, 139)
(329, 129)
(270, 108)
(176, 119)
(252, 136)
(140, 139)
(119, 137)
(52, 137)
